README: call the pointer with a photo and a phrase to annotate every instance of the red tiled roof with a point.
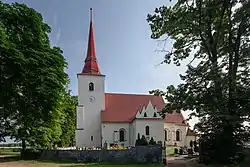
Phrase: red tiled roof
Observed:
(176, 118)
(190, 132)
(123, 107)
(91, 65)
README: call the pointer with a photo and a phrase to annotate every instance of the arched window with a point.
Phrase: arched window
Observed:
(91, 86)
(147, 130)
(178, 135)
(122, 135)
(166, 134)
(145, 115)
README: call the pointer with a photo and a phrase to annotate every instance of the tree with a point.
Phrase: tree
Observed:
(68, 126)
(191, 143)
(152, 141)
(213, 35)
(195, 143)
(138, 140)
(32, 77)
(144, 141)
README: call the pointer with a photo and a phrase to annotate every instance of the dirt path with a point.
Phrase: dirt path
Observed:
(181, 162)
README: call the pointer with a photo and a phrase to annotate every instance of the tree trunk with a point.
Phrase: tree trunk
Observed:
(23, 147)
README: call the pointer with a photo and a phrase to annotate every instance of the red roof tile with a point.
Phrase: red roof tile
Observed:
(176, 118)
(123, 107)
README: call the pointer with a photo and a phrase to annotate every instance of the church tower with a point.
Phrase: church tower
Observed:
(91, 98)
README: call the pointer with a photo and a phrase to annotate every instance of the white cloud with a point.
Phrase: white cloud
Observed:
(58, 35)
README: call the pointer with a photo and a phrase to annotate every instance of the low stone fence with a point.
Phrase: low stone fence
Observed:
(139, 154)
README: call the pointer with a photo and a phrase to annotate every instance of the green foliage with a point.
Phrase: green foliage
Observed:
(176, 151)
(213, 35)
(195, 143)
(191, 143)
(143, 141)
(69, 125)
(32, 78)
(152, 141)
(138, 140)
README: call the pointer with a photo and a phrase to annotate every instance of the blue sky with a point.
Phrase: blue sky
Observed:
(126, 54)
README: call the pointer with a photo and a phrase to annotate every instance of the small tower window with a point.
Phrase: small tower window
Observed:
(147, 130)
(91, 138)
(91, 86)
(145, 115)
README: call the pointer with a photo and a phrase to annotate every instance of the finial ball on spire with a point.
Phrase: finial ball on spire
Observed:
(91, 14)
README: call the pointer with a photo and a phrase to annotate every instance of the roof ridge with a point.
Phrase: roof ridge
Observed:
(131, 94)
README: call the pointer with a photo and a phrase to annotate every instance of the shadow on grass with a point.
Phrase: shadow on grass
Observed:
(113, 165)
(101, 164)
(9, 158)
(71, 163)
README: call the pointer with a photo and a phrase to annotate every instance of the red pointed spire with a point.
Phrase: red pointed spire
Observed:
(91, 65)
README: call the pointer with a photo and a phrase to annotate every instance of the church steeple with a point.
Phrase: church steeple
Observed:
(91, 65)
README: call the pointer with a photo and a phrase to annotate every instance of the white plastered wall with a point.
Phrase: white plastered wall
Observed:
(110, 133)
(172, 128)
(188, 139)
(91, 135)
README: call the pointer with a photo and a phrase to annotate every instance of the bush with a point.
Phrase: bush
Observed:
(176, 150)
(190, 151)
(159, 143)
(31, 154)
(181, 151)
(195, 143)
(191, 144)
(144, 141)
(138, 140)
(196, 149)
(152, 142)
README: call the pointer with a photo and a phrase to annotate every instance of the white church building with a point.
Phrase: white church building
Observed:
(116, 118)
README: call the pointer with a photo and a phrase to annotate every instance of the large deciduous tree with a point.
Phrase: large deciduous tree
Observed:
(68, 126)
(215, 35)
(32, 77)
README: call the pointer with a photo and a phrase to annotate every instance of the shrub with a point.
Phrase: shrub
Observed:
(181, 151)
(152, 141)
(144, 141)
(31, 154)
(195, 143)
(159, 143)
(138, 140)
(191, 144)
(196, 148)
(105, 145)
(190, 151)
(176, 150)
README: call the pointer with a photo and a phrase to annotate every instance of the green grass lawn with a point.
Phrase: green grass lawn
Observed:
(18, 160)
(7, 151)
(170, 150)
(92, 164)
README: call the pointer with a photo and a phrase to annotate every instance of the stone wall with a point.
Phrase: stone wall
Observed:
(139, 154)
